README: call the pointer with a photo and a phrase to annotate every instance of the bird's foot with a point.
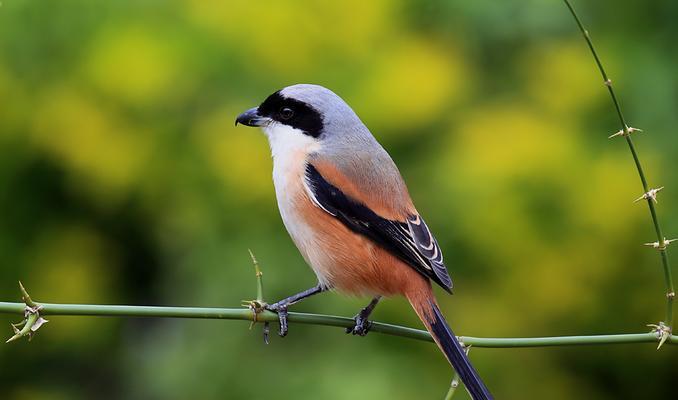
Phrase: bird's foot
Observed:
(361, 327)
(280, 308)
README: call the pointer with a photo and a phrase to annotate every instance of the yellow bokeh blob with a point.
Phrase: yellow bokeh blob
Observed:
(410, 84)
(73, 262)
(505, 139)
(102, 153)
(134, 65)
(288, 37)
(239, 156)
(563, 78)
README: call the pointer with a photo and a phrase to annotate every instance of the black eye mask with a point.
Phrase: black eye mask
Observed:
(303, 116)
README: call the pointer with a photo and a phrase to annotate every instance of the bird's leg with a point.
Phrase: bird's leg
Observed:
(362, 325)
(281, 307)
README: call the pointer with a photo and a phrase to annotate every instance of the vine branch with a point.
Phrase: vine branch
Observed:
(326, 320)
(650, 195)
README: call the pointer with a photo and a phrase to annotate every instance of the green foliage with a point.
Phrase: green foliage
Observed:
(123, 180)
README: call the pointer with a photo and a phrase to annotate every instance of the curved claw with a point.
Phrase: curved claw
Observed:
(281, 310)
(282, 318)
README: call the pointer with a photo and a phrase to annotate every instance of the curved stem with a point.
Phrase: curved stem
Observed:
(319, 319)
(626, 132)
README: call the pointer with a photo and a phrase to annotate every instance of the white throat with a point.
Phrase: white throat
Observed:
(288, 143)
(290, 148)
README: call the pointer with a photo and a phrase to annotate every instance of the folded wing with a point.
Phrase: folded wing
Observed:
(409, 239)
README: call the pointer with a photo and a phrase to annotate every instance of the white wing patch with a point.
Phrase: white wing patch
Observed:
(315, 200)
(428, 247)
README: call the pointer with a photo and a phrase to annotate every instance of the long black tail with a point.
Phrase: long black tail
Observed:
(445, 339)
(449, 344)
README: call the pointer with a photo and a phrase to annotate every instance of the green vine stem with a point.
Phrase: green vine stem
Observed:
(649, 194)
(453, 387)
(327, 320)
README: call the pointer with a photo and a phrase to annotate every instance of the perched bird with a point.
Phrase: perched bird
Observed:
(346, 207)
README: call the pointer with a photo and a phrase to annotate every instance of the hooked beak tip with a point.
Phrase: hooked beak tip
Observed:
(250, 117)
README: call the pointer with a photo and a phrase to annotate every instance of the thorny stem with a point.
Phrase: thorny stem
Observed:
(32, 319)
(26, 297)
(259, 275)
(258, 305)
(626, 132)
(28, 323)
(327, 320)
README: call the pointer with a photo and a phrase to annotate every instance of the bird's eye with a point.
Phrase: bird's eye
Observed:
(286, 113)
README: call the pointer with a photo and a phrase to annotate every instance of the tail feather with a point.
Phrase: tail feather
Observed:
(430, 314)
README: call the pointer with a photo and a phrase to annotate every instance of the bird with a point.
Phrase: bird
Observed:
(346, 207)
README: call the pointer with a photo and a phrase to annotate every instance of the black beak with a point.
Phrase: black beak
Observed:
(250, 117)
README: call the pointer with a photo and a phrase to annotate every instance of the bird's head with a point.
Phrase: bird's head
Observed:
(310, 110)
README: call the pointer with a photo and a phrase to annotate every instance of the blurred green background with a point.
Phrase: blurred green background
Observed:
(123, 180)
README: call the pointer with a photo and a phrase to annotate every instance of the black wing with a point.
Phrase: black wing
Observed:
(410, 241)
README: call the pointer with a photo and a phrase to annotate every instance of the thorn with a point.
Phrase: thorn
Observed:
(258, 275)
(651, 194)
(625, 132)
(254, 259)
(259, 305)
(26, 297)
(16, 327)
(257, 270)
(618, 133)
(662, 245)
(31, 323)
(32, 319)
(662, 331)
